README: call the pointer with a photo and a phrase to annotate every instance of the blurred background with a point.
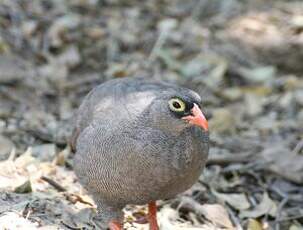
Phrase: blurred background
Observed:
(245, 58)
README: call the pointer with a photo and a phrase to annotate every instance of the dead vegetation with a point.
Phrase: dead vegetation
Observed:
(243, 57)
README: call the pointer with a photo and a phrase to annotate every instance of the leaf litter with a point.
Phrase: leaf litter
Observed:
(244, 60)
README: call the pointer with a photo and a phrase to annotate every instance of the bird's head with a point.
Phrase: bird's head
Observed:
(175, 109)
(189, 111)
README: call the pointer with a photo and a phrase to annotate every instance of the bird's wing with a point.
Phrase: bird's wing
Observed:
(119, 100)
(107, 100)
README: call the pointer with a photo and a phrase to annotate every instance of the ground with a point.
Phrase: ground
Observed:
(243, 57)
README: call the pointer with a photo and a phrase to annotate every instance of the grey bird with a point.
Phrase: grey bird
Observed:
(138, 141)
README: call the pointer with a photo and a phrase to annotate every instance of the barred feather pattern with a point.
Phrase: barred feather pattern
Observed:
(130, 150)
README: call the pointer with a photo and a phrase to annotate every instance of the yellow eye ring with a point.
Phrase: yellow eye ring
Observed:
(176, 105)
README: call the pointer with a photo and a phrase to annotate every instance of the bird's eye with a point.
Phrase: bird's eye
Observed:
(176, 105)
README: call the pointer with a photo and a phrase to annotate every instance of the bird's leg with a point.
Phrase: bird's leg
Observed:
(152, 215)
(114, 225)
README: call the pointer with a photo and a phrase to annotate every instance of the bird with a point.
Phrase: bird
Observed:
(136, 141)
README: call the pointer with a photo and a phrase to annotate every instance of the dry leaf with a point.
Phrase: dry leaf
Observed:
(295, 227)
(11, 220)
(284, 162)
(217, 214)
(254, 225)
(26, 187)
(266, 206)
(236, 200)
(6, 147)
(45, 152)
(259, 74)
(223, 121)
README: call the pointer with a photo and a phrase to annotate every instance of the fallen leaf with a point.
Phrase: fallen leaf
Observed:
(61, 157)
(26, 187)
(169, 219)
(140, 217)
(284, 162)
(259, 74)
(236, 200)
(253, 104)
(11, 220)
(266, 206)
(214, 213)
(60, 25)
(295, 227)
(46, 152)
(254, 225)
(13, 68)
(299, 97)
(217, 214)
(70, 57)
(6, 147)
(230, 94)
(25, 159)
(222, 121)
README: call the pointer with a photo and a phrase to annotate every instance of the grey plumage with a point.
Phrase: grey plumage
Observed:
(130, 149)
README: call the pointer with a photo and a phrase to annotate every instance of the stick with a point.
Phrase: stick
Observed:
(53, 183)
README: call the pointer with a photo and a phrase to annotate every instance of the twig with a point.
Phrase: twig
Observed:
(298, 147)
(53, 183)
(235, 220)
(291, 218)
(224, 160)
(76, 198)
(71, 197)
(12, 154)
(164, 33)
(70, 227)
(284, 195)
(280, 207)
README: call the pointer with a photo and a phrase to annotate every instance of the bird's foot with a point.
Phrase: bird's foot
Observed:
(152, 215)
(112, 225)
(115, 225)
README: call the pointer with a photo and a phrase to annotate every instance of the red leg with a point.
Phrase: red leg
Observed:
(115, 225)
(152, 215)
